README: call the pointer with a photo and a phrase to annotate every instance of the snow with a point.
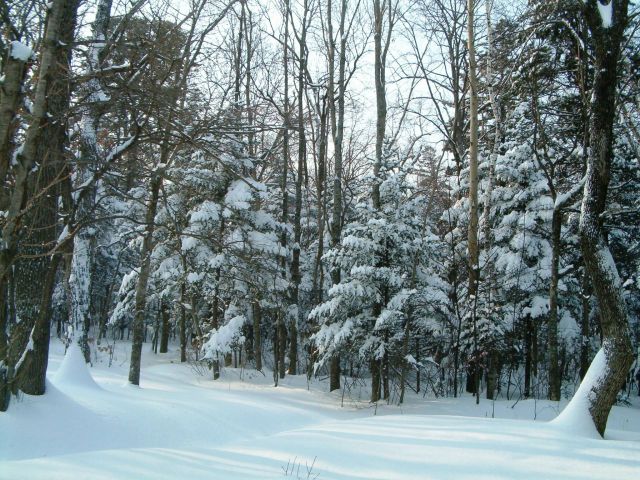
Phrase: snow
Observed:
(27, 349)
(20, 51)
(539, 307)
(239, 195)
(194, 277)
(222, 339)
(118, 149)
(606, 12)
(207, 211)
(180, 425)
(562, 199)
(63, 235)
(188, 243)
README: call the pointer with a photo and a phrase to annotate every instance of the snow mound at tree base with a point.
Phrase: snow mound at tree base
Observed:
(73, 371)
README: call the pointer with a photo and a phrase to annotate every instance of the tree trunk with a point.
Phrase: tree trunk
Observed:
(61, 14)
(417, 355)
(337, 123)
(275, 355)
(183, 326)
(375, 380)
(295, 316)
(282, 346)
(14, 72)
(257, 336)
(381, 48)
(489, 280)
(528, 356)
(164, 340)
(318, 270)
(555, 379)
(143, 279)
(492, 374)
(381, 99)
(337, 128)
(386, 392)
(403, 359)
(280, 336)
(585, 327)
(31, 374)
(334, 373)
(472, 232)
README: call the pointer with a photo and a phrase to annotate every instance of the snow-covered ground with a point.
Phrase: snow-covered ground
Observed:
(180, 425)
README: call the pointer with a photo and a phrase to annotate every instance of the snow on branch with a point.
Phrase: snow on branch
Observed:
(564, 199)
(606, 13)
(20, 51)
(223, 339)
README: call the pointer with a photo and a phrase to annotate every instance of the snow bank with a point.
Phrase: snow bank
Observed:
(183, 426)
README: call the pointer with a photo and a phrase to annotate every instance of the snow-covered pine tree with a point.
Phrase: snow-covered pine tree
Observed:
(384, 259)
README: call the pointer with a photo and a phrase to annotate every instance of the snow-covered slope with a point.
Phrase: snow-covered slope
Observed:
(181, 425)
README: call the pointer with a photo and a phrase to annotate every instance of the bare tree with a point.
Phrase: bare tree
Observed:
(385, 17)
(296, 314)
(472, 233)
(175, 102)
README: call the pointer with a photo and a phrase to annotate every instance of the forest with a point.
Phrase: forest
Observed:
(426, 197)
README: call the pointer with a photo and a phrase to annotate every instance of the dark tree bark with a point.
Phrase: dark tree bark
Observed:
(282, 342)
(493, 357)
(183, 325)
(472, 232)
(164, 339)
(337, 129)
(585, 327)
(143, 280)
(555, 376)
(31, 376)
(257, 335)
(297, 217)
(528, 356)
(382, 41)
(280, 338)
(374, 366)
(14, 72)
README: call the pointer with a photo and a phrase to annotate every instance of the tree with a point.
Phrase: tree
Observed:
(598, 390)
(84, 241)
(24, 364)
(472, 235)
(175, 100)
